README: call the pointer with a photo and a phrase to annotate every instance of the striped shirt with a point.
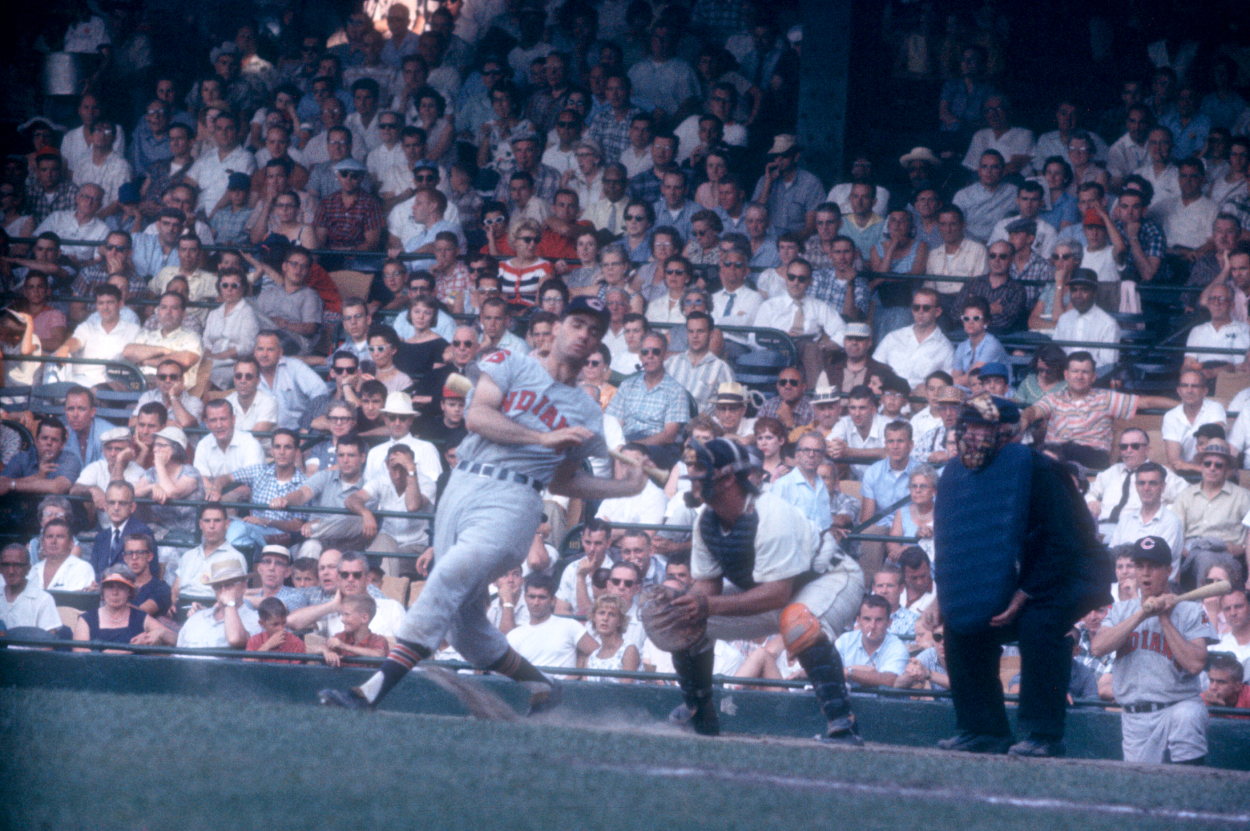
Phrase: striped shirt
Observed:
(701, 380)
(1089, 420)
(521, 283)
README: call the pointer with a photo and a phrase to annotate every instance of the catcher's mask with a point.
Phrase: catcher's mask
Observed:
(977, 448)
(716, 458)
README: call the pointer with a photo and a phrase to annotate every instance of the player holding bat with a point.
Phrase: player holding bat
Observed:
(531, 427)
(1160, 645)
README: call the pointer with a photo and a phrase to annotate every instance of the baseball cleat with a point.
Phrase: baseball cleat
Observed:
(841, 731)
(544, 697)
(1039, 747)
(346, 700)
(969, 742)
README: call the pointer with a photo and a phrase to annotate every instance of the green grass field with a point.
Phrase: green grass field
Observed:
(129, 762)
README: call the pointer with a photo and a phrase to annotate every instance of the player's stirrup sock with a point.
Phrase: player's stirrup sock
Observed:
(403, 657)
(694, 675)
(517, 668)
(823, 666)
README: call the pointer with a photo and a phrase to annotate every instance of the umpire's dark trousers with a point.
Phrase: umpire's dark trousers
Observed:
(1045, 669)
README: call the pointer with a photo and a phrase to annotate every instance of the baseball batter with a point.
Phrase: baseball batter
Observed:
(531, 427)
(758, 569)
(1160, 649)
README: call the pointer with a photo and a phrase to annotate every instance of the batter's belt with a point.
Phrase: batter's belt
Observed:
(495, 472)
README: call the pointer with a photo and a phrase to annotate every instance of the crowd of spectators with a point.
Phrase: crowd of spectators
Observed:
(305, 244)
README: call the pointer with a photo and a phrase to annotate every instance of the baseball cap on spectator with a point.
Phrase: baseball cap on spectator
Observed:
(995, 369)
(897, 385)
(349, 165)
(47, 153)
(592, 306)
(592, 145)
(277, 550)
(239, 181)
(1092, 218)
(128, 194)
(730, 392)
(273, 250)
(173, 434)
(227, 48)
(526, 135)
(1215, 447)
(858, 330)
(783, 144)
(116, 434)
(1084, 277)
(919, 154)
(1153, 550)
(1022, 226)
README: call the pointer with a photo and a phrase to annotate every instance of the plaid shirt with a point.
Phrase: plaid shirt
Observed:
(453, 284)
(1012, 296)
(644, 412)
(827, 287)
(546, 183)
(645, 187)
(803, 413)
(1153, 244)
(97, 274)
(1240, 208)
(346, 226)
(1036, 269)
(612, 135)
(814, 253)
(38, 205)
(230, 226)
(266, 488)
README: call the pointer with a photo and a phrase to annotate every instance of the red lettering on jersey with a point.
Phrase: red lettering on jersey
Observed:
(538, 408)
(497, 357)
(507, 401)
(561, 424)
(525, 400)
(1154, 642)
(548, 417)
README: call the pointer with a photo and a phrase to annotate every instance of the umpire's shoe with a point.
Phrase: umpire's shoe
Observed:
(842, 731)
(969, 742)
(348, 700)
(1039, 746)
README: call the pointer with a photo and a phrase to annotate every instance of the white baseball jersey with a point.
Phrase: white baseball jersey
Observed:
(1144, 669)
(533, 399)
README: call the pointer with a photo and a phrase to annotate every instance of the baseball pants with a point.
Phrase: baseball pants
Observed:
(1176, 734)
(482, 530)
(834, 598)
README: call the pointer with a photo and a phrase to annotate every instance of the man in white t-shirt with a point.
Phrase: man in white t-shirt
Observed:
(1236, 611)
(1180, 422)
(100, 341)
(548, 641)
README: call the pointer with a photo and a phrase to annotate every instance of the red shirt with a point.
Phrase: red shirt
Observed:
(369, 640)
(289, 644)
(320, 282)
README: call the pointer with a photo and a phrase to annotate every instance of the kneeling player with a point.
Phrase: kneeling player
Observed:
(780, 579)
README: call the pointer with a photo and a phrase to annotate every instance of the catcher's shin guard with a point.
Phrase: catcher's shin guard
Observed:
(823, 666)
(694, 674)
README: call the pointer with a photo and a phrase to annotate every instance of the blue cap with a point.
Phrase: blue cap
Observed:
(588, 306)
(129, 194)
(995, 369)
(425, 164)
(349, 164)
(239, 181)
(1154, 550)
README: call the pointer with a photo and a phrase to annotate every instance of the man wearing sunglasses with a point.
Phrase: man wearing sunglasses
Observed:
(349, 219)
(915, 351)
(815, 326)
(1215, 506)
(1008, 299)
(652, 405)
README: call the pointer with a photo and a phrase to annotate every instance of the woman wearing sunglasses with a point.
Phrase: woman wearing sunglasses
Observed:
(383, 346)
(230, 329)
(523, 273)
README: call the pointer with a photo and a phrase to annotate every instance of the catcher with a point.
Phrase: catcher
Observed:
(757, 571)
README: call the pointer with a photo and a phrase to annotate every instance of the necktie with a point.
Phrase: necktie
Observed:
(117, 538)
(796, 328)
(612, 220)
(729, 306)
(1124, 492)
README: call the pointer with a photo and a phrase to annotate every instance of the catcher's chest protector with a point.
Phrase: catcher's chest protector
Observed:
(735, 550)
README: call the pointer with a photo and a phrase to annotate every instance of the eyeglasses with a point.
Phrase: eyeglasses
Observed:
(566, 124)
(425, 177)
(394, 417)
(809, 450)
(352, 575)
(788, 382)
(677, 270)
(1063, 256)
(225, 286)
(1214, 464)
(497, 220)
(733, 264)
(1001, 255)
(463, 344)
(922, 307)
(527, 239)
(620, 581)
(244, 376)
(14, 565)
(798, 278)
(285, 204)
(972, 318)
(635, 218)
(1132, 445)
(382, 348)
(341, 419)
(351, 174)
(339, 370)
(650, 350)
(168, 376)
(110, 247)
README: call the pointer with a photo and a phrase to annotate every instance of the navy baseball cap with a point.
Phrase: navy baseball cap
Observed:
(994, 369)
(1154, 550)
(592, 306)
(1084, 277)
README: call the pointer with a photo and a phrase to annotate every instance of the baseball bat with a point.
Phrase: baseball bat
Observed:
(660, 477)
(1219, 587)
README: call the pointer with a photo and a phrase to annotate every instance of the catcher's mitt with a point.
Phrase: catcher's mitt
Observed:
(669, 627)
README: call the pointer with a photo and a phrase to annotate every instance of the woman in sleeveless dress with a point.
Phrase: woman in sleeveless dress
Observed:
(116, 621)
(916, 519)
(607, 620)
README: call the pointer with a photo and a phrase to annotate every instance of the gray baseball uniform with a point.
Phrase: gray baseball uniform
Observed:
(492, 506)
(1144, 674)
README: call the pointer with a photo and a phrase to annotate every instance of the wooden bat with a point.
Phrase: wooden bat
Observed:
(660, 477)
(1216, 589)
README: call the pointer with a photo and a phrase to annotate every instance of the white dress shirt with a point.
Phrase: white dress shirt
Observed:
(1177, 428)
(1095, 325)
(1232, 335)
(913, 359)
(818, 316)
(736, 308)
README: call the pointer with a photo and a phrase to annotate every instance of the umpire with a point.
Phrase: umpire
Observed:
(1016, 558)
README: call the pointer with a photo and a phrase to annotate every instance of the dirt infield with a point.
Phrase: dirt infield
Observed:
(122, 762)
